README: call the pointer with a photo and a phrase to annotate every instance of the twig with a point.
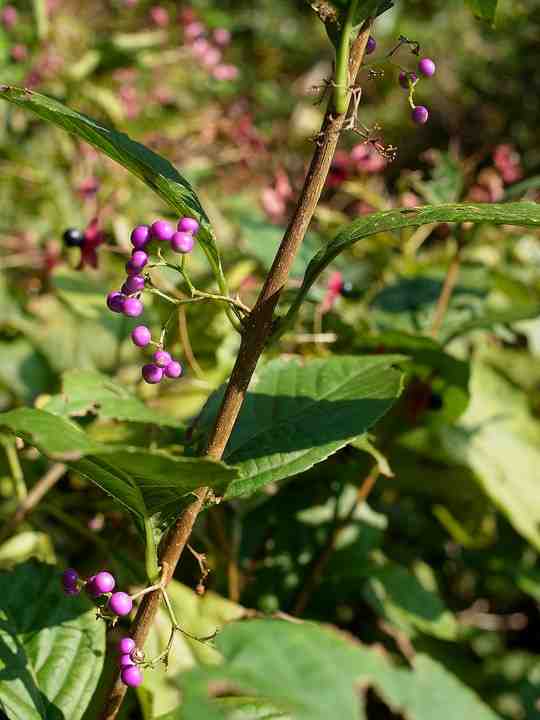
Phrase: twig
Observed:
(321, 561)
(15, 468)
(186, 343)
(257, 329)
(449, 284)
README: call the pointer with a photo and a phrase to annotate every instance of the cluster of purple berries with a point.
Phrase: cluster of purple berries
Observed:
(163, 364)
(182, 240)
(130, 672)
(103, 583)
(407, 80)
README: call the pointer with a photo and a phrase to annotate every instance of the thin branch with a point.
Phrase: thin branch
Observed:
(257, 329)
(450, 282)
(40, 489)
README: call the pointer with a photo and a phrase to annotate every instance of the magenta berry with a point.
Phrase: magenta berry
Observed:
(420, 115)
(161, 358)
(371, 45)
(138, 260)
(126, 645)
(69, 578)
(406, 78)
(173, 370)
(133, 307)
(132, 676)
(133, 284)
(104, 582)
(90, 587)
(427, 67)
(120, 603)
(182, 242)
(162, 230)
(141, 336)
(116, 301)
(125, 661)
(140, 237)
(188, 225)
(152, 374)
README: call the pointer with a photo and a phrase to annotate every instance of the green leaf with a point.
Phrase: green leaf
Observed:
(523, 214)
(485, 9)
(402, 599)
(297, 414)
(315, 674)
(51, 647)
(157, 172)
(146, 483)
(85, 391)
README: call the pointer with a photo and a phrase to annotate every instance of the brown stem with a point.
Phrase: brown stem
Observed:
(256, 332)
(40, 489)
(321, 561)
(449, 284)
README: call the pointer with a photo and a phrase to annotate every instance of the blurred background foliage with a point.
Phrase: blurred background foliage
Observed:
(442, 559)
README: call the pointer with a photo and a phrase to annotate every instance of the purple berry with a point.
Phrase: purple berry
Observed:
(173, 370)
(133, 307)
(427, 67)
(405, 78)
(182, 242)
(140, 237)
(420, 115)
(162, 358)
(133, 284)
(371, 45)
(188, 225)
(116, 301)
(126, 645)
(120, 603)
(104, 582)
(141, 336)
(162, 230)
(90, 587)
(132, 676)
(152, 374)
(125, 661)
(69, 578)
(139, 259)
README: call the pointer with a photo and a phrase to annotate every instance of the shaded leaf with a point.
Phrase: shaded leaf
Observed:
(484, 9)
(51, 647)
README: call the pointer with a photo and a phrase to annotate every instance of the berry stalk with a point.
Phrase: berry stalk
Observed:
(257, 329)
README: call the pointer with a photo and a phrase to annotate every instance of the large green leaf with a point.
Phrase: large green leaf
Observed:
(145, 482)
(157, 172)
(315, 674)
(85, 391)
(526, 214)
(298, 413)
(51, 647)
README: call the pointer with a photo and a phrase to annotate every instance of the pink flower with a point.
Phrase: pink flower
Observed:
(366, 159)
(93, 238)
(339, 170)
(193, 30)
(508, 161)
(225, 72)
(221, 36)
(19, 53)
(9, 16)
(333, 289)
(409, 200)
(159, 16)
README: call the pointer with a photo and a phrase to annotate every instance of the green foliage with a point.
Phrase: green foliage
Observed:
(484, 9)
(51, 650)
(297, 415)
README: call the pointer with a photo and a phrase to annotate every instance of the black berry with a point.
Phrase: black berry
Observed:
(349, 291)
(73, 237)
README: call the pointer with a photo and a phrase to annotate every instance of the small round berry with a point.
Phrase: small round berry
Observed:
(162, 358)
(141, 336)
(131, 676)
(420, 115)
(371, 45)
(73, 237)
(349, 291)
(120, 603)
(69, 578)
(427, 67)
(140, 237)
(182, 242)
(152, 374)
(90, 587)
(126, 645)
(162, 230)
(133, 307)
(137, 262)
(133, 284)
(125, 661)
(173, 370)
(188, 225)
(116, 301)
(405, 78)
(104, 582)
